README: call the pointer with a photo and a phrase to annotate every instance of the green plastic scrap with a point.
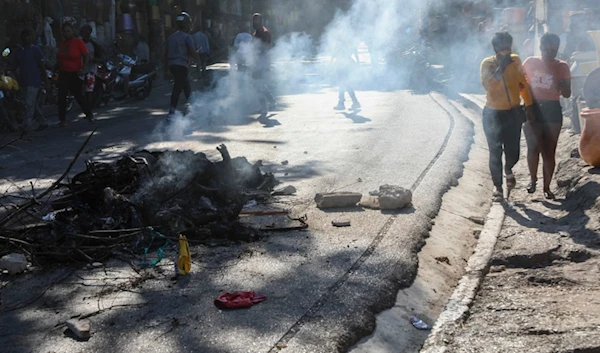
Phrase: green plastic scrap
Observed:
(160, 252)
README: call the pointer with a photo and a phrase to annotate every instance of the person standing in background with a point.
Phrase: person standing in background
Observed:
(262, 41)
(344, 66)
(504, 81)
(549, 78)
(179, 53)
(31, 65)
(203, 47)
(72, 56)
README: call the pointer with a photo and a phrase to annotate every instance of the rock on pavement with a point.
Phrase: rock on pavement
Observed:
(337, 199)
(13, 263)
(393, 197)
(81, 328)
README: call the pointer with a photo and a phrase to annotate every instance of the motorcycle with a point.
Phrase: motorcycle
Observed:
(135, 80)
(12, 107)
(51, 95)
(106, 76)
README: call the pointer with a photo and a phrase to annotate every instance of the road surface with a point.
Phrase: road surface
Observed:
(323, 285)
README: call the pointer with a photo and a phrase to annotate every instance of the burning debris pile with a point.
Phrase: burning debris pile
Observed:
(125, 204)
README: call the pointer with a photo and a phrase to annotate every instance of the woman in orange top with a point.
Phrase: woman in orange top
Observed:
(548, 78)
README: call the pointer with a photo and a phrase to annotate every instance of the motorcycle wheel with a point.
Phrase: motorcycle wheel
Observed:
(97, 98)
(145, 93)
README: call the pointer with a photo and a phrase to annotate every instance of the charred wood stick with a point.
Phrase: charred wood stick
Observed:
(91, 237)
(117, 231)
(26, 206)
(265, 213)
(15, 240)
(284, 229)
(12, 141)
(29, 227)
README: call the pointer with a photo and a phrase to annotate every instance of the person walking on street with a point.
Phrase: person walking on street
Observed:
(95, 57)
(262, 42)
(549, 78)
(504, 81)
(345, 64)
(179, 53)
(203, 47)
(242, 48)
(72, 56)
(31, 65)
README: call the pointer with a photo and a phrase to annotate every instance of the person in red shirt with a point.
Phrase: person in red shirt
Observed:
(548, 78)
(72, 55)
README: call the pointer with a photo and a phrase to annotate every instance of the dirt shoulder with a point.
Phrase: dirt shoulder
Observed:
(542, 291)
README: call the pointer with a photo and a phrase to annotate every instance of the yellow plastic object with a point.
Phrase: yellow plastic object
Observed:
(7, 82)
(184, 262)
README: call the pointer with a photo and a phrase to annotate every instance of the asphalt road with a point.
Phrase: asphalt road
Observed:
(324, 285)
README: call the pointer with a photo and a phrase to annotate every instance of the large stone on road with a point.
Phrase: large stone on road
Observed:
(337, 199)
(393, 197)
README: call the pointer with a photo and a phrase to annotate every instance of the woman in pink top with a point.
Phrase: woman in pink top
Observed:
(549, 78)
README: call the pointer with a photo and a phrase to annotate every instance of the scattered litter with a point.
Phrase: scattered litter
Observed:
(286, 162)
(477, 220)
(419, 324)
(97, 264)
(13, 263)
(250, 204)
(50, 217)
(108, 221)
(238, 300)
(281, 346)
(303, 225)
(388, 197)
(184, 261)
(443, 259)
(344, 223)
(337, 199)
(81, 328)
(285, 191)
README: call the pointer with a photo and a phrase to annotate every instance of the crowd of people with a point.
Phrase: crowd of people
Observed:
(184, 48)
(540, 82)
(76, 60)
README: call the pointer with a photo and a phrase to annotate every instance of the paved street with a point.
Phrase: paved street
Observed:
(323, 285)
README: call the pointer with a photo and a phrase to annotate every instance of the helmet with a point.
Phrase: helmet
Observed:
(184, 18)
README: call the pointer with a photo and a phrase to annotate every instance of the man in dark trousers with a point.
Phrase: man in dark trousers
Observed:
(262, 41)
(180, 51)
(30, 63)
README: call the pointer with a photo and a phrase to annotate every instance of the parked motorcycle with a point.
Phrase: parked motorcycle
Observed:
(51, 95)
(135, 80)
(106, 79)
(12, 107)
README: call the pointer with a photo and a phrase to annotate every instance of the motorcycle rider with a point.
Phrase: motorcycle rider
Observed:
(179, 53)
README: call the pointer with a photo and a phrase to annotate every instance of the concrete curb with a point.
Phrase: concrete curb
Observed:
(477, 267)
